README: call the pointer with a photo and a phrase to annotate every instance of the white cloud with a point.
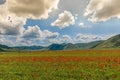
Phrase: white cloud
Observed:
(83, 38)
(82, 25)
(11, 25)
(33, 35)
(64, 20)
(35, 32)
(53, 41)
(79, 38)
(27, 42)
(60, 40)
(13, 14)
(50, 35)
(102, 10)
(32, 32)
(11, 30)
(66, 39)
(76, 16)
(6, 41)
(87, 37)
(39, 9)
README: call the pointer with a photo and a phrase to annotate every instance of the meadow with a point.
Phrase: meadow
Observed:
(60, 65)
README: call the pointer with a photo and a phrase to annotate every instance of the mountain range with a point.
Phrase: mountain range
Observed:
(111, 43)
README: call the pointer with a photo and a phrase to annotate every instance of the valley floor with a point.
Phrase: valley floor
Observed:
(60, 65)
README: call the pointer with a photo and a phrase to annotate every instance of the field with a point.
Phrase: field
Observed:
(60, 65)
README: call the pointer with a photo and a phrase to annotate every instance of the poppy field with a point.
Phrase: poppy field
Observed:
(60, 65)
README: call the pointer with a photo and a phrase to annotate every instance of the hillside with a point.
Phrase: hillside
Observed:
(56, 47)
(4, 48)
(89, 45)
(29, 47)
(68, 46)
(71, 46)
(113, 42)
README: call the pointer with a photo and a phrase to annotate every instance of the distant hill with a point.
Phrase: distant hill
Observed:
(56, 47)
(68, 46)
(77, 46)
(113, 42)
(89, 45)
(4, 47)
(1, 50)
(71, 46)
(29, 47)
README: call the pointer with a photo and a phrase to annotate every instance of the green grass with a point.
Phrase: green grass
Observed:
(60, 65)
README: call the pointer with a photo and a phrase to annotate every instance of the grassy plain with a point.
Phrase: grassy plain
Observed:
(60, 65)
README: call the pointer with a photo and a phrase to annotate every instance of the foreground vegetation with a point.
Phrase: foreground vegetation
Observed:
(60, 65)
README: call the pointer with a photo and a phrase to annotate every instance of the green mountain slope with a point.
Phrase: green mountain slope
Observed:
(4, 48)
(89, 45)
(29, 47)
(56, 47)
(113, 42)
(71, 46)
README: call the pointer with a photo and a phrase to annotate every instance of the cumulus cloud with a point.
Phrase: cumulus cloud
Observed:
(9, 23)
(66, 39)
(33, 35)
(102, 10)
(64, 20)
(53, 41)
(11, 30)
(60, 40)
(6, 41)
(83, 38)
(33, 32)
(79, 38)
(50, 35)
(13, 14)
(10, 26)
(82, 25)
(87, 37)
(32, 8)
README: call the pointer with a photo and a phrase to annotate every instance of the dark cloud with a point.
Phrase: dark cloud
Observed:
(76, 6)
(8, 28)
(2, 1)
(39, 9)
(102, 10)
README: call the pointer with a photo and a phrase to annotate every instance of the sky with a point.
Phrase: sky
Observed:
(44, 22)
